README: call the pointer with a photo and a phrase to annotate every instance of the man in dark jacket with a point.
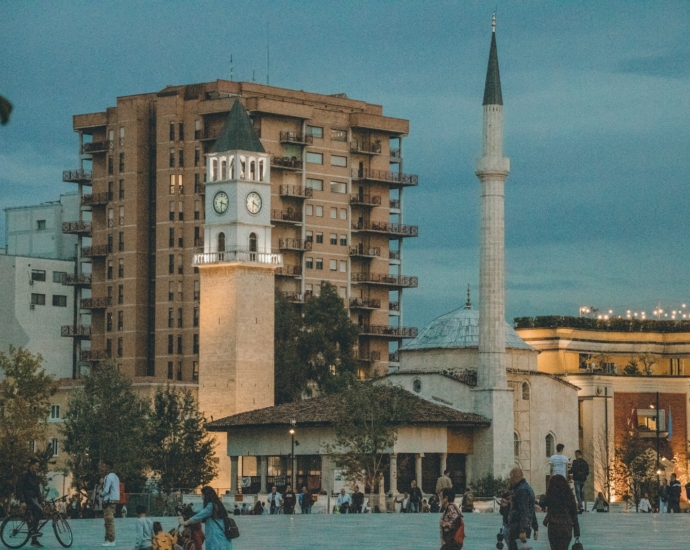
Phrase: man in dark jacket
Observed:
(29, 492)
(674, 489)
(521, 519)
(579, 470)
(357, 501)
(415, 498)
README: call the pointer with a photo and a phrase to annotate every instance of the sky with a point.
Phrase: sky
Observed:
(596, 115)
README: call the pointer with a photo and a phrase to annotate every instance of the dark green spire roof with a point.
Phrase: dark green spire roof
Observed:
(492, 88)
(238, 133)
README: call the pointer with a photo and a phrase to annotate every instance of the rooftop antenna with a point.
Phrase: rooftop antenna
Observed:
(468, 304)
(253, 75)
(493, 20)
(268, 56)
(232, 68)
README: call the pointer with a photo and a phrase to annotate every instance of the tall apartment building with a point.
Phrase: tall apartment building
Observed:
(337, 210)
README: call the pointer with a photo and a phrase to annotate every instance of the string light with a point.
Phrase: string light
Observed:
(658, 312)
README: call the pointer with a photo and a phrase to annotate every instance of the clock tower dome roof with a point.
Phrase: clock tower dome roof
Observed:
(238, 133)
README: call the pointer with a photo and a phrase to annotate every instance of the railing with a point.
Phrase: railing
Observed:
(397, 178)
(200, 188)
(394, 254)
(393, 306)
(288, 163)
(98, 146)
(394, 357)
(368, 357)
(396, 153)
(296, 298)
(364, 303)
(389, 228)
(364, 252)
(395, 204)
(365, 200)
(240, 254)
(294, 244)
(100, 302)
(289, 216)
(83, 279)
(79, 331)
(385, 330)
(76, 227)
(96, 250)
(95, 355)
(365, 148)
(296, 191)
(296, 137)
(289, 271)
(385, 279)
(96, 198)
(76, 176)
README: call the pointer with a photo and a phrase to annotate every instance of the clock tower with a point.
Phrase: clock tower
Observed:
(237, 280)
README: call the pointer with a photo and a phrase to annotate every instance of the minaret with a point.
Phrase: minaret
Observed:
(493, 446)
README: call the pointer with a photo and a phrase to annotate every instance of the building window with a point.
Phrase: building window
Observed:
(319, 211)
(179, 318)
(309, 236)
(334, 238)
(110, 244)
(646, 420)
(171, 344)
(121, 190)
(338, 135)
(38, 299)
(60, 301)
(315, 158)
(319, 238)
(315, 184)
(181, 131)
(55, 412)
(40, 225)
(172, 157)
(120, 347)
(110, 217)
(109, 321)
(319, 263)
(196, 290)
(109, 348)
(337, 160)
(38, 275)
(171, 291)
(120, 320)
(195, 344)
(121, 242)
(221, 242)
(54, 446)
(180, 215)
(121, 167)
(334, 213)
(550, 445)
(197, 129)
(315, 131)
(122, 215)
(676, 366)
(172, 184)
(58, 276)
(122, 136)
(179, 345)
(120, 294)
(310, 210)
(343, 240)
(170, 370)
(110, 165)
(516, 444)
(342, 292)
(525, 391)
(333, 265)
(121, 268)
(310, 263)
(338, 187)
(110, 269)
(197, 157)
(343, 266)
(171, 237)
(171, 217)
(195, 371)
(180, 156)
(171, 264)
(180, 264)
(170, 317)
(417, 385)
(343, 214)
(196, 317)
(172, 131)
(179, 371)
(253, 243)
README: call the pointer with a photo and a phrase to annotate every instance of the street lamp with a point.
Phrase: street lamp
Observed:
(293, 423)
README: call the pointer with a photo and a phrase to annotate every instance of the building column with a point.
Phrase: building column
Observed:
(418, 469)
(263, 472)
(233, 474)
(444, 459)
(394, 473)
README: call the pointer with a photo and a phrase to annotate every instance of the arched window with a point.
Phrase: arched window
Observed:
(223, 169)
(262, 169)
(252, 170)
(525, 391)
(214, 166)
(231, 169)
(516, 445)
(253, 244)
(221, 242)
(550, 445)
(417, 385)
(242, 167)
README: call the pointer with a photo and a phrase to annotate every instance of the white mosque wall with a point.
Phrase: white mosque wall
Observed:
(437, 388)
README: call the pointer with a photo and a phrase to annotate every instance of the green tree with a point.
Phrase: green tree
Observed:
(633, 471)
(290, 375)
(366, 428)
(24, 406)
(106, 420)
(181, 447)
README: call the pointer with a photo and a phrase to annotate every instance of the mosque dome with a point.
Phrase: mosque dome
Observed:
(459, 329)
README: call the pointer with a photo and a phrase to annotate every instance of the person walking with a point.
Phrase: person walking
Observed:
(559, 462)
(521, 519)
(580, 470)
(275, 501)
(305, 501)
(289, 501)
(214, 516)
(561, 514)
(415, 497)
(663, 496)
(29, 492)
(674, 489)
(451, 521)
(111, 496)
(443, 482)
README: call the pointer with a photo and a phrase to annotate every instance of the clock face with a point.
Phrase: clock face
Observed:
(220, 202)
(253, 203)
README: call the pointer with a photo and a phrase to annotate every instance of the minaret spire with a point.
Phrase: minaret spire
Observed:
(492, 87)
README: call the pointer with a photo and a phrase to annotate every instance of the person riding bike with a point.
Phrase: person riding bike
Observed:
(29, 492)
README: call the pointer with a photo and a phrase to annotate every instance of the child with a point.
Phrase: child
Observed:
(144, 529)
(161, 539)
(194, 531)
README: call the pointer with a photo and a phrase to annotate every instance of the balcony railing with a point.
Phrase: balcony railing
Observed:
(289, 271)
(296, 191)
(365, 200)
(394, 357)
(396, 153)
(83, 279)
(387, 331)
(297, 298)
(364, 148)
(77, 176)
(96, 250)
(294, 244)
(385, 279)
(395, 204)
(395, 178)
(75, 331)
(368, 356)
(99, 302)
(96, 199)
(286, 216)
(362, 251)
(98, 147)
(239, 254)
(296, 137)
(287, 163)
(388, 228)
(394, 254)
(393, 306)
(77, 228)
(364, 303)
(95, 355)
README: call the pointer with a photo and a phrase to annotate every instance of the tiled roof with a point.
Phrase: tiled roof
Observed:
(321, 410)
(238, 133)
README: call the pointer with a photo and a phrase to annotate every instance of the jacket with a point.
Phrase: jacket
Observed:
(522, 516)
(579, 469)
(561, 513)
(674, 491)
(29, 487)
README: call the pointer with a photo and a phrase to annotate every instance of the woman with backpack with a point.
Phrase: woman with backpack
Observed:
(215, 518)
(452, 526)
(561, 514)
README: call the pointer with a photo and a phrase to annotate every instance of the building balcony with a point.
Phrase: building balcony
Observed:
(287, 163)
(97, 250)
(77, 176)
(237, 255)
(95, 355)
(289, 271)
(362, 251)
(394, 357)
(96, 199)
(368, 356)
(100, 302)
(296, 191)
(385, 331)
(286, 216)
(384, 279)
(365, 200)
(396, 154)
(393, 306)
(365, 303)
(296, 138)
(297, 298)
(391, 229)
(363, 148)
(83, 279)
(294, 244)
(76, 331)
(97, 147)
(394, 254)
(208, 134)
(396, 179)
(394, 204)
(77, 228)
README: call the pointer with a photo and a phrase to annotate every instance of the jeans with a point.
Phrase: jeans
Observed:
(580, 494)
(662, 507)
(36, 514)
(109, 520)
(514, 533)
(414, 507)
(306, 509)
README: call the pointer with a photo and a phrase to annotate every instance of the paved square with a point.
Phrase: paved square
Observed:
(404, 531)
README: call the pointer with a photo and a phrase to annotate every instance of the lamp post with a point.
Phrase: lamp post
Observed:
(657, 420)
(293, 423)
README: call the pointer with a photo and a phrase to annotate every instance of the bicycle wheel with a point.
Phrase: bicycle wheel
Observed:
(63, 532)
(14, 532)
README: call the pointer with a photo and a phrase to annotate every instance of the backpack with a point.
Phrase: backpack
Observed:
(231, 531)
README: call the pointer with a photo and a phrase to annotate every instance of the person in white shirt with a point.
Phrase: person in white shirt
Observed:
(275, 501)
(111, 496)
(344, 502)
(644, 505)
(559, 462)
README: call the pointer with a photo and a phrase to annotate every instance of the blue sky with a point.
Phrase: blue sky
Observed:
(597, 119)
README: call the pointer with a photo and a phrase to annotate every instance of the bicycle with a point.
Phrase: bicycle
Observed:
(14, 531)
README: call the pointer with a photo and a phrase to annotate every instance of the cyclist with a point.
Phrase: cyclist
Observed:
(29, 492)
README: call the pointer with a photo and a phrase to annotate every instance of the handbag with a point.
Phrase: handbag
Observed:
(577, 546)
(459, 536)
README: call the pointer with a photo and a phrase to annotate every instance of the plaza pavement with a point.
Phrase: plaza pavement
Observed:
(403, 531)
